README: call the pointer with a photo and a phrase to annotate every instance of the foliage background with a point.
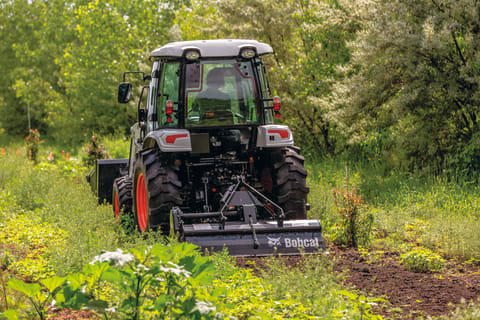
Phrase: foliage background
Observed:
(394, 81)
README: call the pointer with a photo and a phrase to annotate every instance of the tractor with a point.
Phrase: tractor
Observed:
(207, 161)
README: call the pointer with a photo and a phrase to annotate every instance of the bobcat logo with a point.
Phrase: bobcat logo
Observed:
(274, 242)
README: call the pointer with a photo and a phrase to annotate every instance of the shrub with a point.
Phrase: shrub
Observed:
(95, 150)
(422, 260)
(355, 227)
(33, 142)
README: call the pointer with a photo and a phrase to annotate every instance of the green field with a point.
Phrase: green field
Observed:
(56, 228)
(382, 98)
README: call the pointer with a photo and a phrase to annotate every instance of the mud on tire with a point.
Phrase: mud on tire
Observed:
(156, 190)
(289, 182)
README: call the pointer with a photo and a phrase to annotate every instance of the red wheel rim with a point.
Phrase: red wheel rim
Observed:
(142, 207)
(115, 205)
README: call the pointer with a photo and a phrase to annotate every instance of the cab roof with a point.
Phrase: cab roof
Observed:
(211, 48)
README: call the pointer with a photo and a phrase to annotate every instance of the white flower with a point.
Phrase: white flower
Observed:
(204, 307)
(141, 266)
(118, 257)
(148, 249)
(175, 269)
(112, 309)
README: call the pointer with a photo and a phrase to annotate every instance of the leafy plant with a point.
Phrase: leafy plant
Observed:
(40, 295)
(33, 141)
(422, 260)
(95, 150)
(355, 227)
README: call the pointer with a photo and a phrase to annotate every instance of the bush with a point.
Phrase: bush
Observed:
(94, 150)
(355, 227)
(33, 141)
(422, 260)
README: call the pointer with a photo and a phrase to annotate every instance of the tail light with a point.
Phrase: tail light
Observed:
(169, 107)
(277, 105)
(169, 110)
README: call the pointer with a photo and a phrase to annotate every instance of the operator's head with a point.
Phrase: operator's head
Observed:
(216, 78)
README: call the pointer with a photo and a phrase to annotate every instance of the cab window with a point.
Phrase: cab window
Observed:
(169, 86)
(220, 93)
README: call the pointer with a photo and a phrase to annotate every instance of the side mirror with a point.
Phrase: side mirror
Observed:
(124, 92)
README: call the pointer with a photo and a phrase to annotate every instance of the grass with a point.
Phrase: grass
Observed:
(64, 202)
(439, 213)
(315, 284)
(56, 227)
(445, 211)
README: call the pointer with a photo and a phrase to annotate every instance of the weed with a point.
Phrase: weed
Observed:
(94, 150)
(440, 212)
(33, 142)
(313, 282)
(373, 256)
(466, 311)
(422, 260)
(356, 224)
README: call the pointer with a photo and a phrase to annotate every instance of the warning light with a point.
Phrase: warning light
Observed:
(169, 107)
(214, 190)
(277, 105)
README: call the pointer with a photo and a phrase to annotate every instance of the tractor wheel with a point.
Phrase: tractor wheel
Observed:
(156, 190)
(289, 182)
(122, 196)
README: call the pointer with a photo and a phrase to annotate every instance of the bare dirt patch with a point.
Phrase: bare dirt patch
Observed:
(409, 294)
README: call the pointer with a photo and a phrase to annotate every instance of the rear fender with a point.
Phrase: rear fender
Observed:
(273, 136)
(169, 140)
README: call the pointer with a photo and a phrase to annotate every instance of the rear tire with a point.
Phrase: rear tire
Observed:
(289, 179)
(122, 196)
(156, 190)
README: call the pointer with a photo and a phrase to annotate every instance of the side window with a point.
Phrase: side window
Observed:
(151, 98)
(265, 92)
(169, 86)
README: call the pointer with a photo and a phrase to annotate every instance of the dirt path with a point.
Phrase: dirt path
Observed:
(409, 294)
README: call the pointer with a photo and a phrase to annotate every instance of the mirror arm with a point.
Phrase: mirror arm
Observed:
(142, 116)
(129, 72)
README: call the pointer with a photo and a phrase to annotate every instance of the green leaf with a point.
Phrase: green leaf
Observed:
(52, 283)
(11, 314)
(29, 289)
(112, 275)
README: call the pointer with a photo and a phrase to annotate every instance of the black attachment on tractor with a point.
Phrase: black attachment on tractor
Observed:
(250, 237)
(101, 178)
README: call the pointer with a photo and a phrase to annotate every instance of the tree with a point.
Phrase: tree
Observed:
(414, 97)
(309, 39)
(65, 59)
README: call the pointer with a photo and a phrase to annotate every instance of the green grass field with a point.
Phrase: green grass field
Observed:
(51, 225)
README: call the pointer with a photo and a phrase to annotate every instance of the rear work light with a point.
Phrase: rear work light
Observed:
(247, 53)
(192, 55)
(277, 105)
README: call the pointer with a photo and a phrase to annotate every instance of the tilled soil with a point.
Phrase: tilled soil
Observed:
(409, 294)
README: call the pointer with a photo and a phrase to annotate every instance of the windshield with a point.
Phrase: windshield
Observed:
(220, 93)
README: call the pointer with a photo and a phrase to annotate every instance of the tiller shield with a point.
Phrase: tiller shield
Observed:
(247, 236)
